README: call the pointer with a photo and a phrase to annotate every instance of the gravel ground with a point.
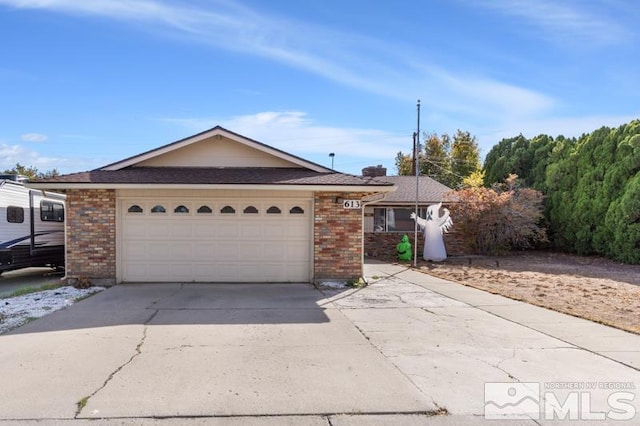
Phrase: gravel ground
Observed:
(16, 311)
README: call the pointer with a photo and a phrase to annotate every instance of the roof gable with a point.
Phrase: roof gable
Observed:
(216, 159)
(217, 147)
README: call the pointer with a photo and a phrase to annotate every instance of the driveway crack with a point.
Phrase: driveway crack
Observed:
(138, 350)
(155, 302)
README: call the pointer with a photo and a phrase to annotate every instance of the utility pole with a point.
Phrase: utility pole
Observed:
(413, 160)
(416, 163)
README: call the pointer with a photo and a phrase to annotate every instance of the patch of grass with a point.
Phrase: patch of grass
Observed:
(81, 404)
(356, 282)
(29, 290)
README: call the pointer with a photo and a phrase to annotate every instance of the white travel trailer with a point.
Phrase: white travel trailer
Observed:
(31, 226)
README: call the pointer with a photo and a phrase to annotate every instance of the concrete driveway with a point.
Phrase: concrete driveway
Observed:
(408, 349)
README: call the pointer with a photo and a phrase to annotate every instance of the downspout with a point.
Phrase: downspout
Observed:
(365, 204)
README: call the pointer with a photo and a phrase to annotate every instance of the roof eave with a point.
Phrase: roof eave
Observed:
(258, 187)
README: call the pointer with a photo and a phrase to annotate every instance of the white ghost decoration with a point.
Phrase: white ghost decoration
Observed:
(433, 227)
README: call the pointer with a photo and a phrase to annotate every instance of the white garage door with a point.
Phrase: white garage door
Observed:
(209, 240)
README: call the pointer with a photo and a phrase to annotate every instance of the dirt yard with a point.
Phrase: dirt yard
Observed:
(589, 287)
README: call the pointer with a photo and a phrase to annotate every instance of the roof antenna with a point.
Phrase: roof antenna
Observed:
(332, 154)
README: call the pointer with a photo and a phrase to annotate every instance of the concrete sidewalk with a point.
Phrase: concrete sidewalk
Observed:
(452, 339)
(608, 342)
(409, 349)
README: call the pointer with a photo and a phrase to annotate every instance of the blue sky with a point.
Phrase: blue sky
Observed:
(86, 83)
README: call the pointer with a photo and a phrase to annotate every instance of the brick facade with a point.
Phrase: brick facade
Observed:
(337, 234)
(382, 245)
(91, 235)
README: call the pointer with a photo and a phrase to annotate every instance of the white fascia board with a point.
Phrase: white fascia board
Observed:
(319, 188)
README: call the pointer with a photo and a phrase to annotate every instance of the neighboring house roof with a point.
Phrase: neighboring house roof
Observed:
(429, 190)
(215, 159)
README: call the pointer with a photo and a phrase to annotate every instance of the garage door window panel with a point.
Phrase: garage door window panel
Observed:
(296, 210)
(228, 210)
(275, 210)
(251, 210)
(135, 209)
(181, 209)
(158, 208)
(205, 210)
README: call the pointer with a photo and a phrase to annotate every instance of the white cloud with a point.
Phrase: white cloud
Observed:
(10, 155)
(294, 132)
(368, 64)
(562, 22)
(483, 98)
(34, 137)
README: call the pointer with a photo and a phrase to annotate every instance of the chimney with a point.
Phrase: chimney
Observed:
(374, 171)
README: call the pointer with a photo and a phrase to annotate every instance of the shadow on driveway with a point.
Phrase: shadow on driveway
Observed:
(184, 304)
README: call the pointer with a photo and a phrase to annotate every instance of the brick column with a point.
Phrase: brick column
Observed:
(91, 235)
(337, 237)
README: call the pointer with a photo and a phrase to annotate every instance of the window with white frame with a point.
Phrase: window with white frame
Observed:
(394, 219)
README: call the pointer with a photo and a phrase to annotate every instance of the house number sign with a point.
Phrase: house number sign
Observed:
(351, 204)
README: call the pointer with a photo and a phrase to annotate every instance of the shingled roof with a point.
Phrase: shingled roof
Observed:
(429, 190)
(194, 176)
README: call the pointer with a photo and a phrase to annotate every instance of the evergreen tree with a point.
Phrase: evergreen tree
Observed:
(31, 172)
(465, 157)
(591, 186)
(436, 161)
(403, 164)
(442, 159)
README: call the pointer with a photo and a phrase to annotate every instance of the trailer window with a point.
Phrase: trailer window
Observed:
(51, 211)
(15, 214)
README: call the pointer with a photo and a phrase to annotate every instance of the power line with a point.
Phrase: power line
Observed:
(446, 170)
